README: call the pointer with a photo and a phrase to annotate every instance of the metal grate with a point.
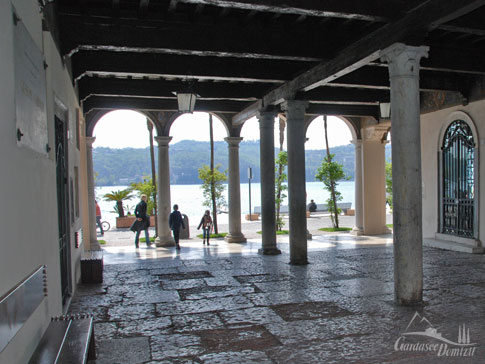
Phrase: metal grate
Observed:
(458, 180)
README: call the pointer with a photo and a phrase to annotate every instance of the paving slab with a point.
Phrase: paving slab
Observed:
(227, 304)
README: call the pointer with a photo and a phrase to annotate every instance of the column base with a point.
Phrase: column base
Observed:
(308, 235)
(357, 231)
(269, 251)
(233, 239)
(164, 241)
(94, 245)
(299, 262)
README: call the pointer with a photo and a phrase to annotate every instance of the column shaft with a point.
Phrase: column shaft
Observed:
(267, 166)
(235, 235)
(359, 221)
(94, 245)
(406, 165)
(295, 113)
(163, 190)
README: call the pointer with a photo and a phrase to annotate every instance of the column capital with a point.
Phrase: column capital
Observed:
(90, 141)
(163, 140)
(233, 141)
(265, 115)
(404, 60)
(294, 108)
(376, 133)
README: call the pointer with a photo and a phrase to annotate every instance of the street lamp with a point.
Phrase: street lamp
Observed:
(385, 110)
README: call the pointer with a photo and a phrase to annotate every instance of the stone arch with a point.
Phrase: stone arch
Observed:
(351, 124)
(168, 125)
(93, 117)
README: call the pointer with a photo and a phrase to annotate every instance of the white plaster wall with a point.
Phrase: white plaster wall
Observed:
(28, 218)
(431, 129)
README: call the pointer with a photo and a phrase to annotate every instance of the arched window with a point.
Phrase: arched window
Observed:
(458, 184)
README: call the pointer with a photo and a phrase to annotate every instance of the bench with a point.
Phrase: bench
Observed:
(67, 340)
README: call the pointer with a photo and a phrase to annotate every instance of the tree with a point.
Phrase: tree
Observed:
(329, 173)
(146, 188)
(213, 188)
(281, 187)
(389, 184)
(119, 196)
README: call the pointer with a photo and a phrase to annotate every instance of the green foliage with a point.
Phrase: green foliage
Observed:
(119, 196)
(281, 186)
(144, 240)
(279, 232)
(213, 236)
(332, 229)
(146, 187)
(219, 178)
(102, 242)
(329, 173)
(389, 184)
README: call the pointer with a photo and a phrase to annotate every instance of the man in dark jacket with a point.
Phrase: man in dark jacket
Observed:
(142, 221)
(176, 221)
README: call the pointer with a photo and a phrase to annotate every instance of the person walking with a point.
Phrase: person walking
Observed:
(98, 217)
(142, 221)
(206, 223)
(175, 221)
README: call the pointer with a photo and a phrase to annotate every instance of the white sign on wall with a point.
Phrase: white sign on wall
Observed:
(30, 92)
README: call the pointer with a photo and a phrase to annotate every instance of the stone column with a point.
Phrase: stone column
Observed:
(359, 221)
(267, 167)
(295, 131)
(406, 166)
(163, 191)
(374, 180)
(93, 240)
(235, 235)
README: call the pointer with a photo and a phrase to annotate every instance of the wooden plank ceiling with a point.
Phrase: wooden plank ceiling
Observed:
(241, 54)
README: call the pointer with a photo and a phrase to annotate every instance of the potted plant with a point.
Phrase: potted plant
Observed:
(118, 197)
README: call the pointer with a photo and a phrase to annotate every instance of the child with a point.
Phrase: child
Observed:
(206, 223)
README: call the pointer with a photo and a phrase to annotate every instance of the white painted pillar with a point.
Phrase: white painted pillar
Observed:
(93, 240)
(163, 192)
(359, 217)
(374, 180)
(295, 131)
(267, 167)
(406, 167)
(235, 235)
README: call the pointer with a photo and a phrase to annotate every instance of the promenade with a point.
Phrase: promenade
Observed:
(227, 304)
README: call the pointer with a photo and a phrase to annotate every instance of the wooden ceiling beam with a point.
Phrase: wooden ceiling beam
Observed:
(349, 9)
(139, 64)
(224, 39)
(129, 103)
(164, 89)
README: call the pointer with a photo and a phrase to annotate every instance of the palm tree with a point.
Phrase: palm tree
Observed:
(119, 196)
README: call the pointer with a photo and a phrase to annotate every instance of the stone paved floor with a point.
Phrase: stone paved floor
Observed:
(229, 305)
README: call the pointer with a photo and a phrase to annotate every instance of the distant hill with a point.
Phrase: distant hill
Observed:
(123, 166)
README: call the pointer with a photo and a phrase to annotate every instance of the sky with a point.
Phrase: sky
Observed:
(124, 128)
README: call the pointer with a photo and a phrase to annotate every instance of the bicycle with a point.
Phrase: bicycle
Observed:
(106, 225)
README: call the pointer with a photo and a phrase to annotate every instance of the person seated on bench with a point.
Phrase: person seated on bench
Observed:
(312, 206)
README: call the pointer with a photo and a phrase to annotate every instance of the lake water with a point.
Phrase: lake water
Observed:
(189, 198)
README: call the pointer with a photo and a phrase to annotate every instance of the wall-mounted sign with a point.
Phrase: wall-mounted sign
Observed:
(30, 91)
